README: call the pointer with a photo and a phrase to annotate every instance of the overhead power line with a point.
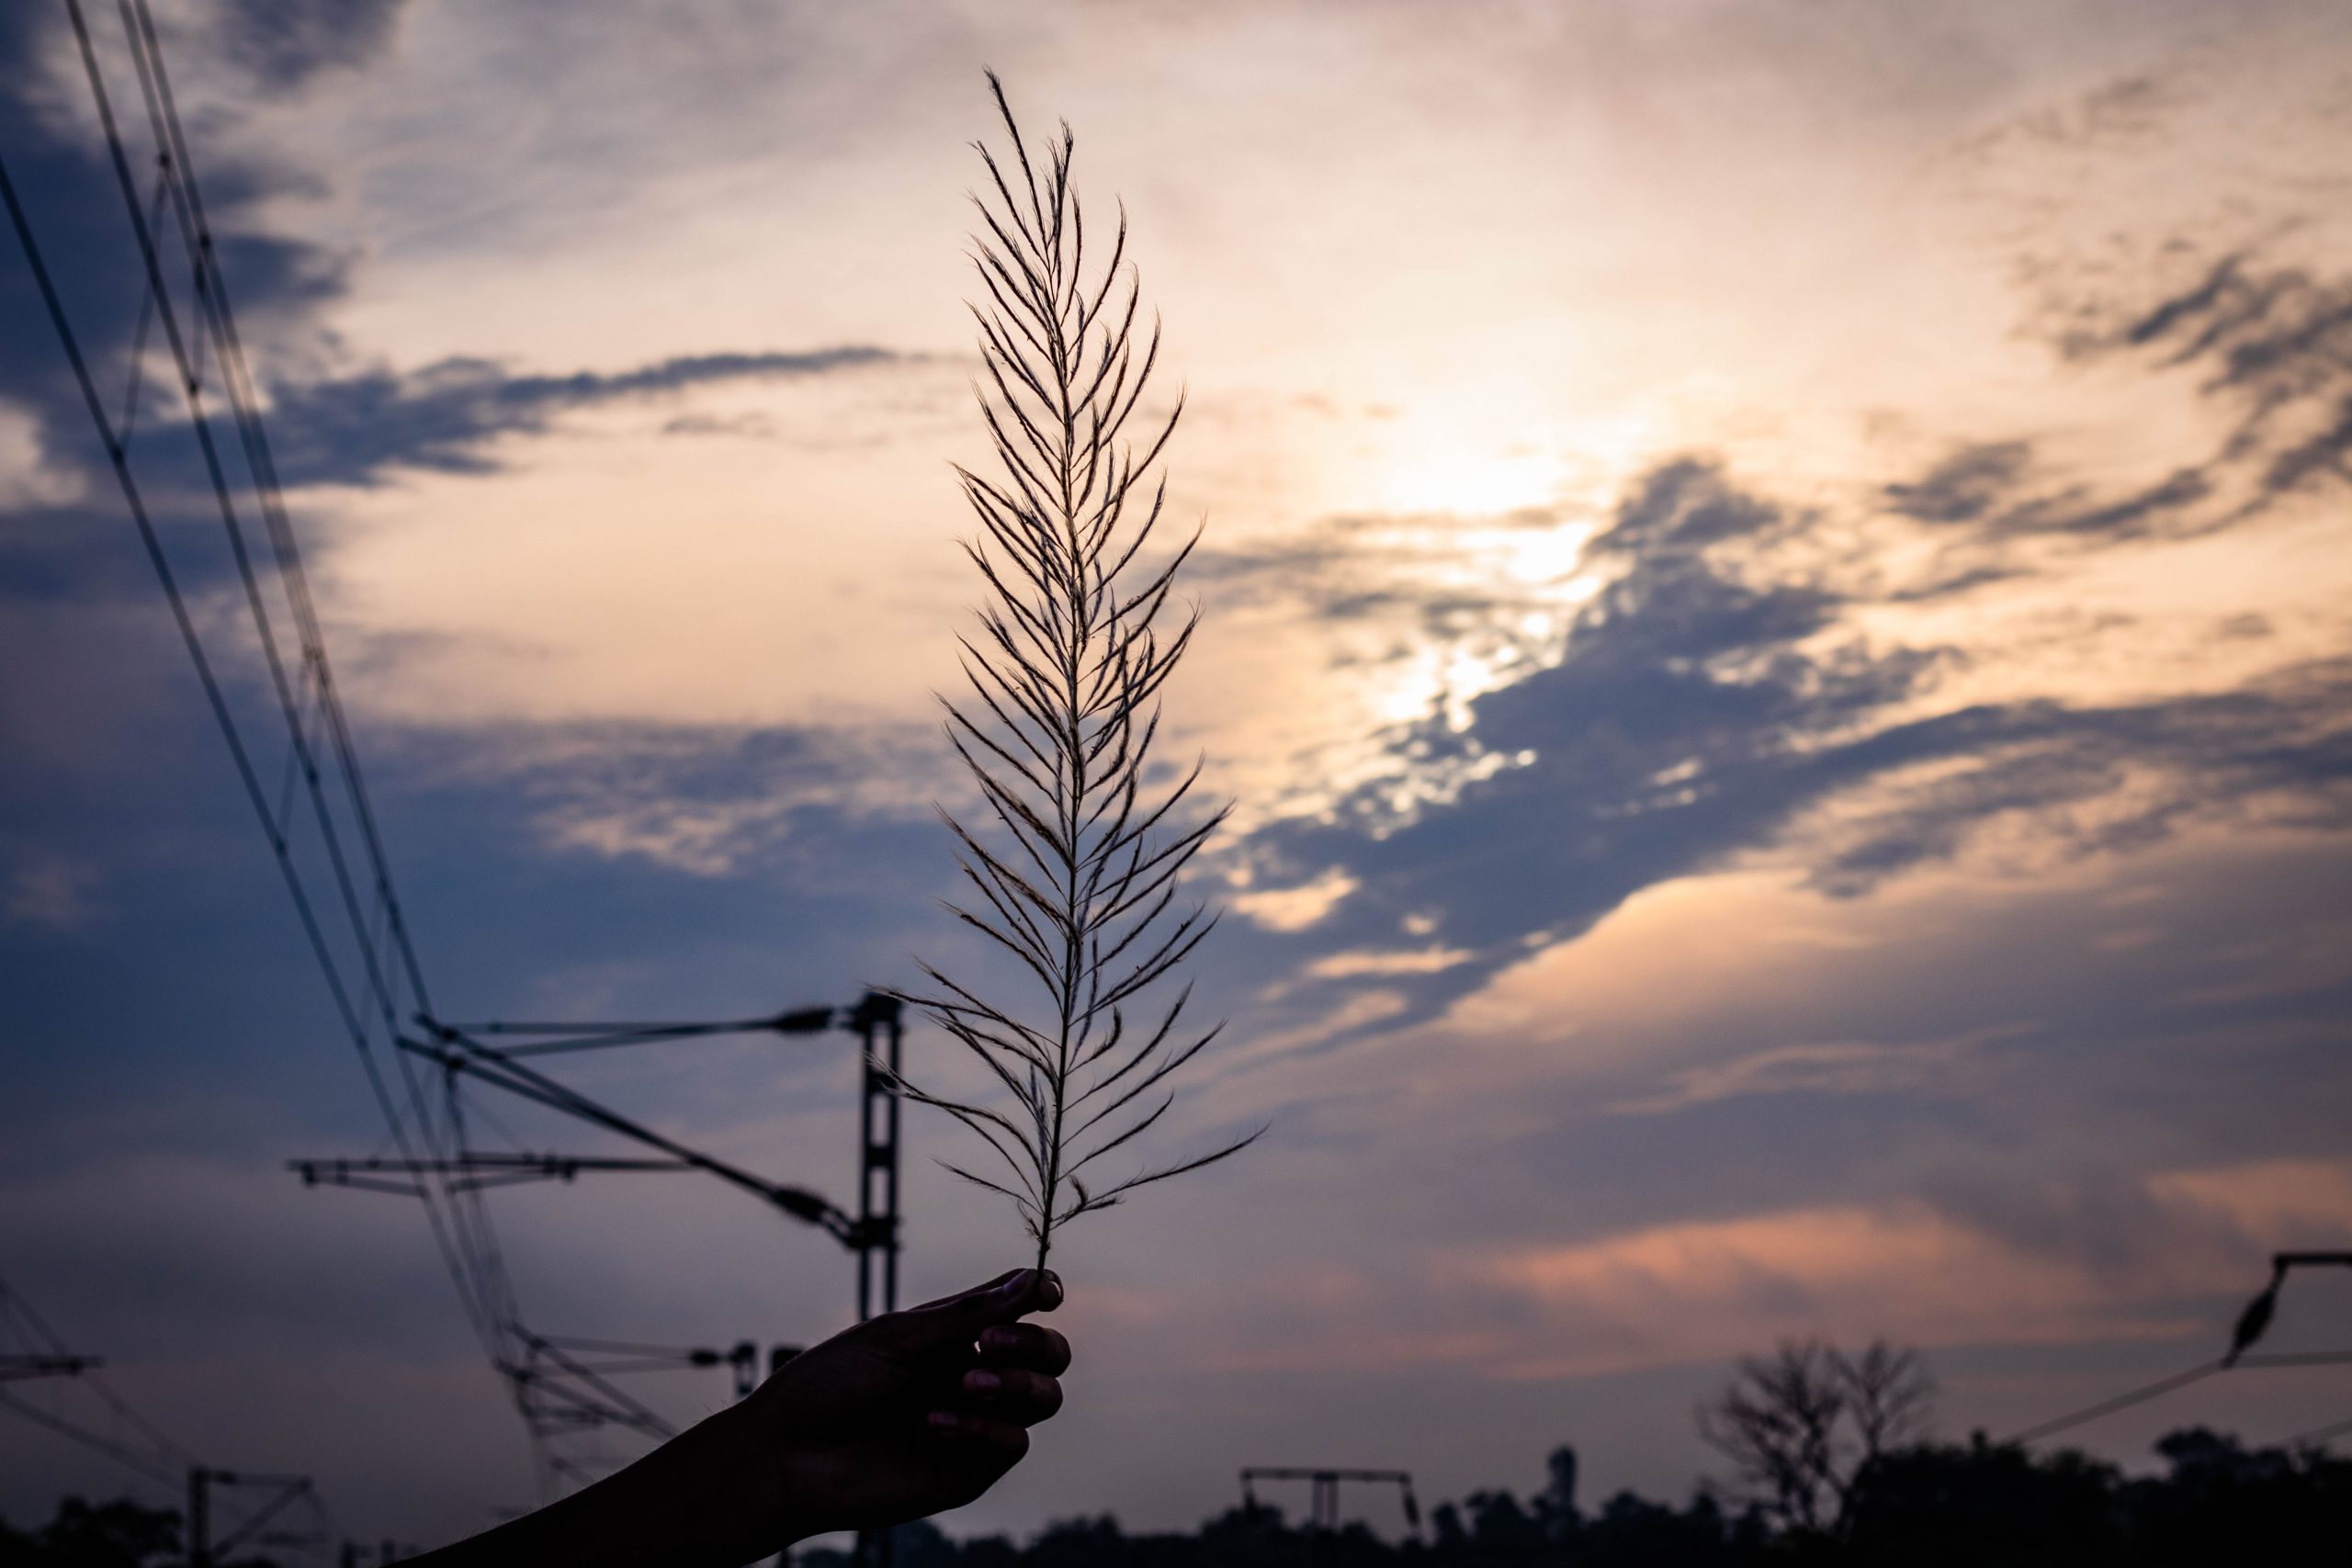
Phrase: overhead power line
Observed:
(372, 990)
(2088, 1414)
(135, 1459)
(340, 885)
(139, 1445)
(478, 1273)
(26, 1326)
(2318, 1435)
(2177, 1381)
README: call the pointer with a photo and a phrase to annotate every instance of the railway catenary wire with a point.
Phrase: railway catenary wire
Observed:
(134, 1442)
(2172, 1383)
(378, 981)
(477, 1273)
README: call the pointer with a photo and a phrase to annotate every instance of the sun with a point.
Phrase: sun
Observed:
(1467, 480)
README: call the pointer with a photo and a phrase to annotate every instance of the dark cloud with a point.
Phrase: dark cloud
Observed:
(2273, 341)
(1668, 734)
(1992, 493)
(353, 429)
(68, 541)
(2279, 747)
(1683, 507)
(68, 186)
(2325, 453)
(284, 43)
(1965, 487)
(1705, 705)
(2271, 344)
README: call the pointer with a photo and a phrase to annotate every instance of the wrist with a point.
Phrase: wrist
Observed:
(733, 1479)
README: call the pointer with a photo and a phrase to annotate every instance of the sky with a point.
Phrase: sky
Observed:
(1774, 584)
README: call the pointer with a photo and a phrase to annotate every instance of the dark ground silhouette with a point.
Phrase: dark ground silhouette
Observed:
(1925, 1505)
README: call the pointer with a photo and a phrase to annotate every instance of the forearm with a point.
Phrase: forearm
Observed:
(708, 1498)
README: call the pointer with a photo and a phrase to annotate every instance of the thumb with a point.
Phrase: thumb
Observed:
(956, 1320)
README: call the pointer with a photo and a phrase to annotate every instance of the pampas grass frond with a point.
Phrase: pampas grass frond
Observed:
(1073, 867)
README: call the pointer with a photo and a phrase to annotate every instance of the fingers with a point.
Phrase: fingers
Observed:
(1013, 1295)
(945, 1303)
(1010, 1393)
(1029, 1345)
(960, 1319)
(1001, 1437)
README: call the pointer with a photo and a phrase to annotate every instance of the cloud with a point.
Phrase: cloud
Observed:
(2270, 340)
(285, 43)
(1718, 697)
(1844, 1067)
(63, 177)
(27, 479)
(1293, 909)
(1701, 1290)
(1995, 492)
(54, 893)
(353, 429)
(1689, 714)
(1719, 1287)
(739, 805)
(2109, 778)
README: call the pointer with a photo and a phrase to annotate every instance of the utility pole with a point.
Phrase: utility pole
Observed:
(1323, 1504)
(876, 1020)
(203, 1481)
(24, 1368)
(199, 1518)
(560, 1393)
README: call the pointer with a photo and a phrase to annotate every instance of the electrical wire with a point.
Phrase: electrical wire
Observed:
(162, 1462)
(2180, 1380)
(128, 1458)
(387, 980)
(474, 1268)
(2318, 1435)
(484, 1278)
(15, 1307)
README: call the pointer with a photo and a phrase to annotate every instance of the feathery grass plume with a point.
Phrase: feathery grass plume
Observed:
(1076, 862)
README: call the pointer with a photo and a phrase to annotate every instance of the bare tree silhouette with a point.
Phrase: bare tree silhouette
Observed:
(1800, 1426)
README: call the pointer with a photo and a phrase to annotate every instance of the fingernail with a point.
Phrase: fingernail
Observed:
(944, 1419)
(1049, 1289)
(1000, 1339)
(982, 1382)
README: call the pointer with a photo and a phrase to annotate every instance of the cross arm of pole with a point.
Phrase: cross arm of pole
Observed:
(472, 1172)
(635, 1354)
(459, 1053)
(549, 1038)
(17, 1368)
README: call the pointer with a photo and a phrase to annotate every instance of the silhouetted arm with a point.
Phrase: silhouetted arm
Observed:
(900, 1417)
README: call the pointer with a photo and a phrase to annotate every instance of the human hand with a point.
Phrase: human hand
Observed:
(914, 1412)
